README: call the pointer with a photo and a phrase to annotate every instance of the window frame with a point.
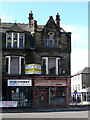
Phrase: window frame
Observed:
(12, 39)
(9, 65)
(51, 39)
(47, 64)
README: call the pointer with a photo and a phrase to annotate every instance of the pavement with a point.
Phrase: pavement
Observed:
(69, 114)
(28, 110)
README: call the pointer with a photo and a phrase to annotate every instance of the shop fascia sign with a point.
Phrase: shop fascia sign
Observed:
(50, 82)
(14, 82)
(8, 103)
(32, 69)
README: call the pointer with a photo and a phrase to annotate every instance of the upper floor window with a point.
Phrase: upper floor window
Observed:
(51, 41)
(16, 40)
(9, 38)
(14, 64)
(51, 65)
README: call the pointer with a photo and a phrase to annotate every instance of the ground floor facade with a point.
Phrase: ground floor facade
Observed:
(36, 91)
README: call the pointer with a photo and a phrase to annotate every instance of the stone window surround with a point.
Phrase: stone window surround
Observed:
(9, 59)
(12, 38)
(51, 39)
(46, 58)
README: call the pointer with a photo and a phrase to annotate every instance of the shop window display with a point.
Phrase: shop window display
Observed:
(57, 96)
(21, 95)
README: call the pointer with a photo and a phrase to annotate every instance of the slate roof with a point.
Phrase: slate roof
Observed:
(86, 70)
(20, 27)
(15, 28)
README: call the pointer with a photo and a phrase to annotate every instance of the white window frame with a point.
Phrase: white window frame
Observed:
(57, 58)
(18, 38)
(9, 59)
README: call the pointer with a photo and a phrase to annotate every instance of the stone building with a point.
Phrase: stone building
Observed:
(48, 46)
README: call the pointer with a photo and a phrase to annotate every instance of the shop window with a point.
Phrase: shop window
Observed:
(57, 95)
(50, 65)
(22, 96)
(15, 64)
(15, 40)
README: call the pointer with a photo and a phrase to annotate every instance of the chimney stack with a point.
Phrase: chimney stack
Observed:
(30, 18)
(34, 25)
(58, 19)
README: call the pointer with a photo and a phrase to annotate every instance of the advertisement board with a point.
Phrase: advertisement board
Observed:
(8, 103)
(32, 69)
(14, 82)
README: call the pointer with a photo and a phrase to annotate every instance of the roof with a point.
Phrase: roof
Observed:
(86, 70)
(15, 28)
(22, 27)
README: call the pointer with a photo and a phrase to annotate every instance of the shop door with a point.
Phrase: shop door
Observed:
(43, 98)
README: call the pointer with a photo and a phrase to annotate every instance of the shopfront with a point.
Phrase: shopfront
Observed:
(50, 93)
(18, 90)
(21, 91)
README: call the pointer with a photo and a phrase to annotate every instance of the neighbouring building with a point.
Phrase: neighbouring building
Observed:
(36, 63)
(80, 86)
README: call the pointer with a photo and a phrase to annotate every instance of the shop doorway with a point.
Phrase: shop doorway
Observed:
(43, 98)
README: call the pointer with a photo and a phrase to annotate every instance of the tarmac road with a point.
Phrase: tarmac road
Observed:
(73, 114)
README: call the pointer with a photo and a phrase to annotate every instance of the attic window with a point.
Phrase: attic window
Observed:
(15, 40)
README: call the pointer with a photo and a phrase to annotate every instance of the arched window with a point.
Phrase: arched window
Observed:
(51, 41)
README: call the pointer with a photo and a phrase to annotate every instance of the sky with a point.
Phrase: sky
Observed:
(74, 19)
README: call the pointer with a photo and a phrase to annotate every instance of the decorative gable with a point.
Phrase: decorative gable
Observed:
(51, 26)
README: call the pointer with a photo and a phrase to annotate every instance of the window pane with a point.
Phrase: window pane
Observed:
(15, 40)
(45, 42)
(7, 65)
(52, 66)
(55, 42)
(21, 35)
(9, 40)
(14, 65)
(50, 43)
(22, 65)
(43, 66)
(51, 36)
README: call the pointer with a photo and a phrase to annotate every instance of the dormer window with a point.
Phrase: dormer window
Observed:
(16, 40)
(9, 38)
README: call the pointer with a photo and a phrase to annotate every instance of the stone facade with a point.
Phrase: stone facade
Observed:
(48, 45)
